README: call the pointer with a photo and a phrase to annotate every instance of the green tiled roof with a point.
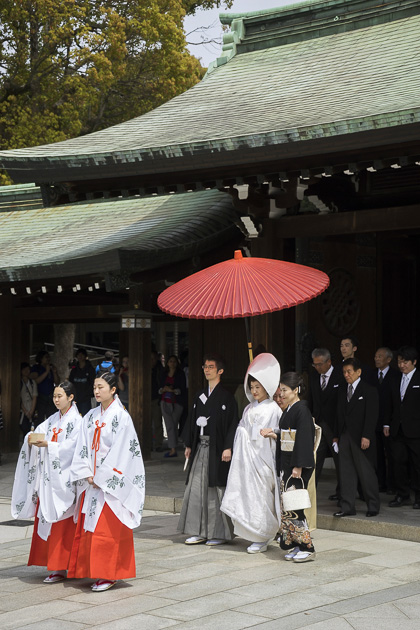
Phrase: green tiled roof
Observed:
(134, 235)
(326, 87)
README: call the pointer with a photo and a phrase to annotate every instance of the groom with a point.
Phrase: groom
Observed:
(208, 448)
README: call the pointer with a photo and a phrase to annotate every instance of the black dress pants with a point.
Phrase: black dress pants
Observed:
(354, 465)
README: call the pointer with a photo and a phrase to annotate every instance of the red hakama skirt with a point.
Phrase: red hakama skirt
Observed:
(107, 553)
(53, 553)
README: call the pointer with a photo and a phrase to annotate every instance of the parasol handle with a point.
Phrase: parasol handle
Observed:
(248, 339)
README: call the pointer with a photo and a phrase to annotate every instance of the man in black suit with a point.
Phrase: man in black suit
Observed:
(357, 415)
(324, 382)
(405, 428)
(383, 377)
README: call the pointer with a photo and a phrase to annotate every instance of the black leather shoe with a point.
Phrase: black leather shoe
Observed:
(341, 514)
(398, 501)
(373, 513)
(334, 497)
(416, 505)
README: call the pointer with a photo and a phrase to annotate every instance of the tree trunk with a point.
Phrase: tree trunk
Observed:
(63, 348)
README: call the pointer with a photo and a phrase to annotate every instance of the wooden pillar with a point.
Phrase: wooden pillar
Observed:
(140, 343)
(10, 359)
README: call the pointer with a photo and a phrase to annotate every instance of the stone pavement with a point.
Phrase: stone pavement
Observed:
(358, 582)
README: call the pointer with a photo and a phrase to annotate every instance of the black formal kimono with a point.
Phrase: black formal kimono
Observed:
(221, 410)
(294, 528)
(207, 473)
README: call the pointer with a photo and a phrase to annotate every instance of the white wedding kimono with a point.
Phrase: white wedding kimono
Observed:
(252, 497)
(44, 473)
(109, 439)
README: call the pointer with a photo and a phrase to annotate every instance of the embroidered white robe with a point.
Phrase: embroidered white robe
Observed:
(44, 473)
(252, 497)
(119, 466)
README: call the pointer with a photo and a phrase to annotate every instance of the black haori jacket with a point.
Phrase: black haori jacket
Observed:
(222, 413)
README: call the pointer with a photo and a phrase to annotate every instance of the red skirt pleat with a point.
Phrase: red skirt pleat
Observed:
(53, 553)
(107, 553)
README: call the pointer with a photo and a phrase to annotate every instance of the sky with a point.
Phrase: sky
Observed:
(206, 25)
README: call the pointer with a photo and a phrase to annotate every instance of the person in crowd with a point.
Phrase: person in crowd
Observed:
(208, 435)
(45, 376)
(294, 459)
(252, 497)
(107, 363)
(156, 412)
(28, 399)
(324, 382)
(357, 416)
(403, 425)
(123, 382)
(173, 398)
(108, 468)
(43, 487)
(82, 375)
(383, 377)
(348, 349)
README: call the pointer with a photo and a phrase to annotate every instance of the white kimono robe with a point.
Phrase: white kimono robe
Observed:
(119, 467)
(252, 497)
(44, 473)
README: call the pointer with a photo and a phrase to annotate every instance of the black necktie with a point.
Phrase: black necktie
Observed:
(381, 377)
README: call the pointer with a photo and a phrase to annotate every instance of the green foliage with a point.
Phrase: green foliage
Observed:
(70, 67)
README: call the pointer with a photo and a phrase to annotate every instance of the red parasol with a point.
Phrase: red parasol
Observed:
(242, 287)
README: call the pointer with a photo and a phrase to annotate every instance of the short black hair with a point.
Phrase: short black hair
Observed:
(81, 351)
(354, 340)
(354, 361)
(408, 353)
(217, 358)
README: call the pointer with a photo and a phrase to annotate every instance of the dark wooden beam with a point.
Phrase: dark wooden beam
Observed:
(356, 222)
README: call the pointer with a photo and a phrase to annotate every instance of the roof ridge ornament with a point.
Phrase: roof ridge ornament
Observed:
(229, 47)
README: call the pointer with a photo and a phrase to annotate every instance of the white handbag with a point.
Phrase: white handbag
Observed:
(295, 498)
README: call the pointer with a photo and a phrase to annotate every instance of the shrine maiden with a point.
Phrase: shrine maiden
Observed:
(108, 468)
(43, 488)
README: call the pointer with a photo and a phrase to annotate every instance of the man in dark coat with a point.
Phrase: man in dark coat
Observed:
(404, 428)
(383, 378)
(324, 382)
(208, 435)
(357, 415)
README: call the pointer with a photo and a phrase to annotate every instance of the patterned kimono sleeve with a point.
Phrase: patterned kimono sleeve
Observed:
(121, 474)
(60, 489)
(26, 483)
(81, 465)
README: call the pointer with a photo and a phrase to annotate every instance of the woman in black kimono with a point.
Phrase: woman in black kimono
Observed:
(298, 462)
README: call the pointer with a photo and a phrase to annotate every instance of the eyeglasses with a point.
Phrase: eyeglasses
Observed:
(209, 367)
(318, 364)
